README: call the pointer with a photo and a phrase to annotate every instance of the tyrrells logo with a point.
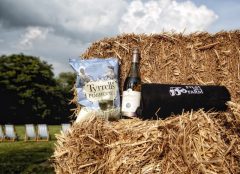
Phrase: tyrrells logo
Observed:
(100, 90)
(177, 91)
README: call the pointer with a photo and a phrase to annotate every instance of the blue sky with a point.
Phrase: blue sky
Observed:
(58, 30)
(228, 12)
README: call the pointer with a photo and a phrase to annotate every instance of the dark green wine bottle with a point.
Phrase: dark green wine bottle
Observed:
(132, 88)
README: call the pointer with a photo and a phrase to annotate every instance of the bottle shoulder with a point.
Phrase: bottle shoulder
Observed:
(132, 83)
(133, 79)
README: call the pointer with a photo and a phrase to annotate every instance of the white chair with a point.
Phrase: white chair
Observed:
(1, 133)
(42, 132)
(65, 127)
(30, 132)
(10, 133)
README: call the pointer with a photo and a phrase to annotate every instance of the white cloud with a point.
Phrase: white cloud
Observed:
(57, 30)
(156, 15)
(90, 16)
(81, 19)
(32, 34)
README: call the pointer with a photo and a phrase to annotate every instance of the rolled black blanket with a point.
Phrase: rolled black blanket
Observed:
(162, 100)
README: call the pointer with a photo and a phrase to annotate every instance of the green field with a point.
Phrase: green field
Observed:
(27, 157)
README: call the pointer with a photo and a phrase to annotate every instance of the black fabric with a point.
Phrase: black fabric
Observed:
(162, 100)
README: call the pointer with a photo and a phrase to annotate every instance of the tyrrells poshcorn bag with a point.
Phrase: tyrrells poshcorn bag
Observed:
(97, 87)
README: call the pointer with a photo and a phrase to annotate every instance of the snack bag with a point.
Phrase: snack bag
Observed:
(97, 87)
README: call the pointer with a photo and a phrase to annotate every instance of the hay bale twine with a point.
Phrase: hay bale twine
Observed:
(196, 142)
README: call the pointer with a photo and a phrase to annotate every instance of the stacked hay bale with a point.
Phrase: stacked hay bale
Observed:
(199, 58)
(196, 142)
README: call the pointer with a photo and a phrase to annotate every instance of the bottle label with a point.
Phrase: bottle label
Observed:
(130, 100)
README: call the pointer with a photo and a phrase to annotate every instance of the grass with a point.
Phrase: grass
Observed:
(27, 157)
(53, 129)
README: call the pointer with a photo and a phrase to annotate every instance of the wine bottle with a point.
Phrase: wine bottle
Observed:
(132, 87)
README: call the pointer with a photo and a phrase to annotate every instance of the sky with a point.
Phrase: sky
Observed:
(58, 30)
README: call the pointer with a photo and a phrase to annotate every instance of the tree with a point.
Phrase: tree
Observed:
(66, 80)
(29, 92)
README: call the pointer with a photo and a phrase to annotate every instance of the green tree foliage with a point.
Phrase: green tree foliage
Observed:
(66, 80)
(29, 92)
(65, 83)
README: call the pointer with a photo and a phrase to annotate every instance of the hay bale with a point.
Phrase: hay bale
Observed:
(196, 142)
(198, 58)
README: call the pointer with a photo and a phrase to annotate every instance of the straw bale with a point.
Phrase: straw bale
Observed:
(198, 58)
(195, 142)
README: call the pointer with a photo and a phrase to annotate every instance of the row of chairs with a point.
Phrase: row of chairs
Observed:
(32, 133)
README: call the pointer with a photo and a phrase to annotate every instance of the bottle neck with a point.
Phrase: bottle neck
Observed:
(134, 70)
(135, 58)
